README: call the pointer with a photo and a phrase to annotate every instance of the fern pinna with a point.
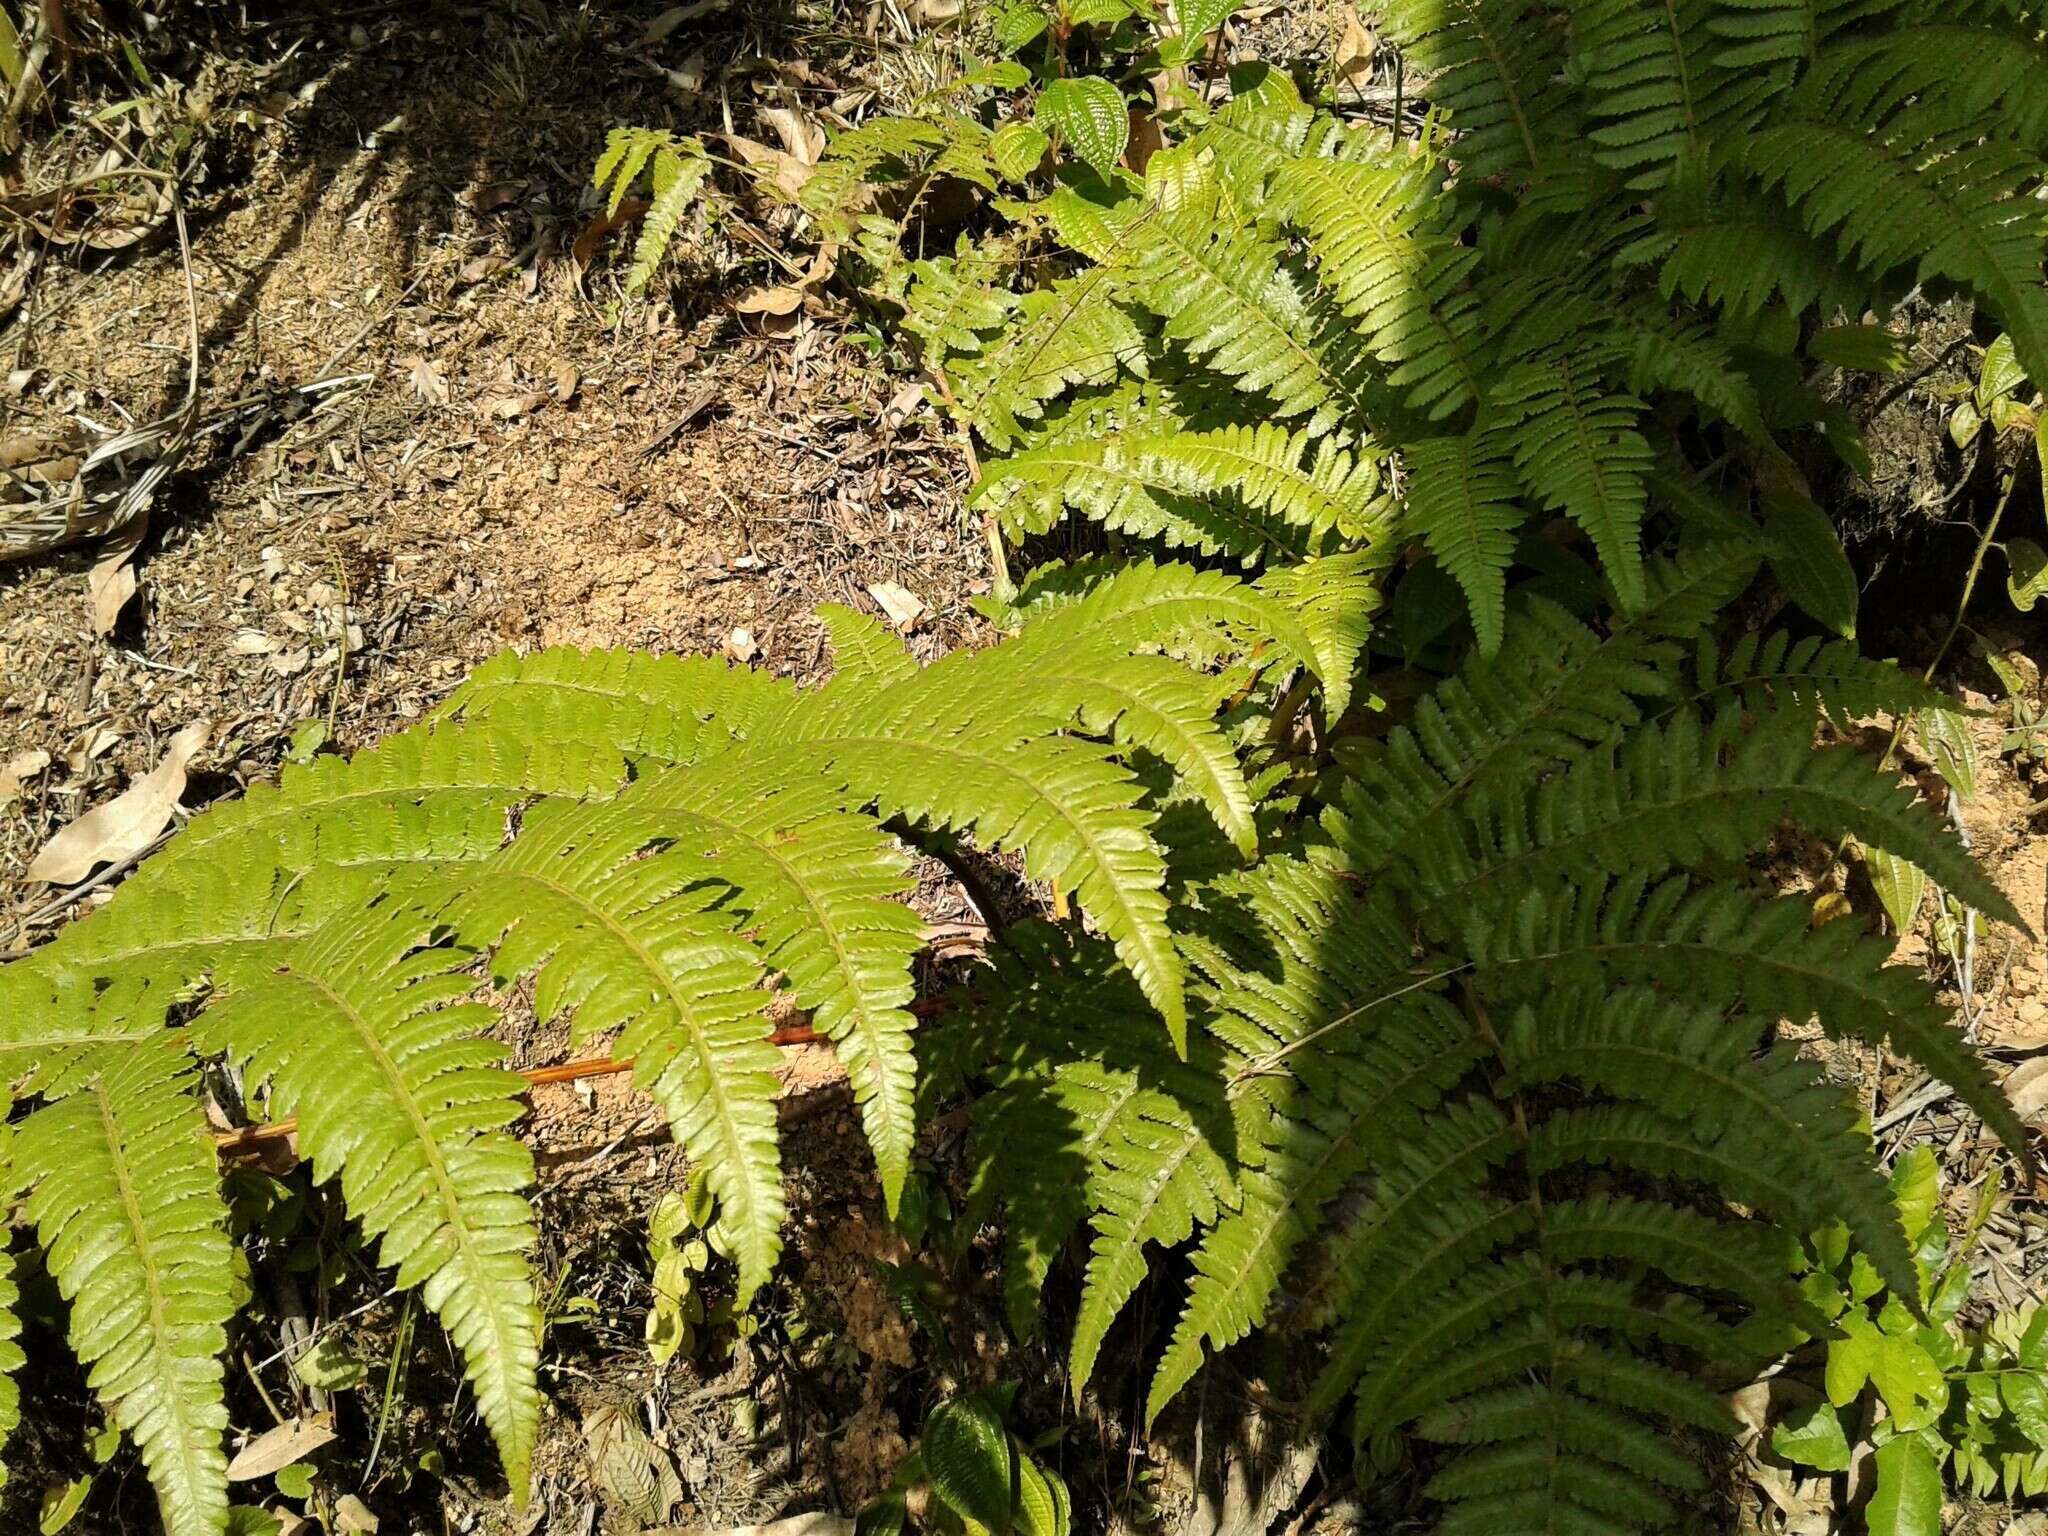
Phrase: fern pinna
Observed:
(651, 840)
(1482, 1082)
(1284, 336)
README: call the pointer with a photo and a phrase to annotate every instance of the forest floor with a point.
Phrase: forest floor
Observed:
(506, 452)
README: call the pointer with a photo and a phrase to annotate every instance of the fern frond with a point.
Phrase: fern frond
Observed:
(1720, 937)
(1942, 204)
(1828, 677)
(1497, 67)
(1461, 500)
(678, 174)
(818, 889)
(1228, 293)
(1957, 73)
(1578, 449)
(1764, 32)
(1072, 333)
(1655, 88)
(358, 1034)
(125, 1193)
(11, 1357)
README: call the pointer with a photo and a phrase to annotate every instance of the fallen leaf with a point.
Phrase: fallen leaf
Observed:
(904, 607)
(113, 580)
(901, 407)
(795, 1525)
(675, 16)
(740, 646)
(275, 1449)
(426, 380)
(2027, 1087)
(799, 134)
(777, 299)
(26, 765)
(508, 407)
(252, 642)
(566, 380)
(128, 823)
(928, 13)
(583, 249)
(290, 663)
(1355, 48)
(784, 171)
(499, 194)
(687, 78)
(477, 268)
(351, 1514)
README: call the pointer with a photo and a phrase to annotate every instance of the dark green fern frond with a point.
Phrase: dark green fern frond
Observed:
(125, 1194)
(1579, 451)
(397, 1090)
(1462, 501)
(1497, 67)
(1765, 952)
(1655, 88)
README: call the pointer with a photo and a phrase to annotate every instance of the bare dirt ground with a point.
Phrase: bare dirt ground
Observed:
(517, 456)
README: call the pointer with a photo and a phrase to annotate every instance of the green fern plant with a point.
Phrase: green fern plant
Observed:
(650, 840)
(1623, 235)
(1483, 1086)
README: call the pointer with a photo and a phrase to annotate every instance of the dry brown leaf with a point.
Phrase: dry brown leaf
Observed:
(509, 407)
(778, 299)
(128, 823)
(477, 268)
(902, 405)
(566, 381)
(687, 78)
(783, 170)
(675, 16)
(741, 646)
(276, 1449)
(1355, 48)
(2027, 1086)
(352, 1515)
(112, 580)
(799, 134)
(583, 249)
(795, 1525)
(28, 765)
(903, 606)
(425, 379)
(252, 642)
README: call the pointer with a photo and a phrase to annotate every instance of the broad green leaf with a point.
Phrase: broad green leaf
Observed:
(1088, 112)
(1814, 1439)
(1900, 884)
(1904, 1374)
(1916, 1186)
(1964, 423)
(1002, 75)
(2001, 373)
(2026, 1397)
(1017, 148)
(247, 1520)
(1945, 737)
(1019, 24)
(295, 1481)
(61, 1503)
(886, 1514)
(1041, 1498)
(1806, 554)
(1198, 18)
(1908, 1497)
(1850, 1358)
(2026, 573)
(970, 1461)
(331, 1366)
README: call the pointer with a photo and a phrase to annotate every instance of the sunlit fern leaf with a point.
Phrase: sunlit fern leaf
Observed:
(397, 1089)
(1579, 452)
(1382, 247)
(818, 889)
(1229, 294)
(1461, 496)
(125, 1194)
(1765, 952)
(678, 175)
(1335, 597)
(953, 306)
(673, 708)
(862, 647)
(1073, 332)
(630, 939)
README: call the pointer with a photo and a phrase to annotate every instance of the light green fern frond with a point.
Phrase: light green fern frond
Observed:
(125, 1195)
(1462, 501)
(397, 1089)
